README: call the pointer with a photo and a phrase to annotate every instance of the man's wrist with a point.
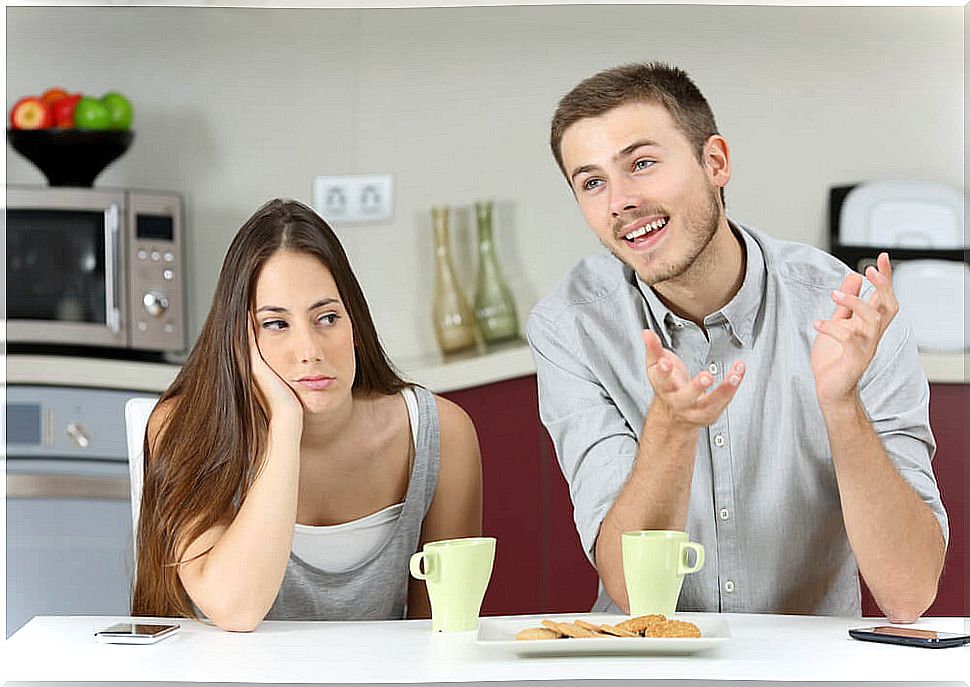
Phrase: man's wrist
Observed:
(842, 410)
(664, 424)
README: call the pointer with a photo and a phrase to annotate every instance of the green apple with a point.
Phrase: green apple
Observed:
(119, 108)
(91, 113)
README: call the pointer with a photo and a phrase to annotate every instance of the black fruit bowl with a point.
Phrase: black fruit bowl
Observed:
(70, 157)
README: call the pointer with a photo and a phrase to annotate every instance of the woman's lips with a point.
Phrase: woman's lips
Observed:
(315, 383)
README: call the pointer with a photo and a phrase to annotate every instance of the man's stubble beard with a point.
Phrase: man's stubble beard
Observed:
(700, 239)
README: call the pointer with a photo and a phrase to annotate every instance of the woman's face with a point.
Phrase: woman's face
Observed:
(303, 330)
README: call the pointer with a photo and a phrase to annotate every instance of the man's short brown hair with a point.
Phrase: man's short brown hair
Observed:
(652, 82)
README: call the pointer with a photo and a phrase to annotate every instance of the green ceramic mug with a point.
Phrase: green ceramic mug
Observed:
(457, 572)
(654, 565)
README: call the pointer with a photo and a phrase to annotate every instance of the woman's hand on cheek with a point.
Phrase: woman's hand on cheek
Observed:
(284, 406)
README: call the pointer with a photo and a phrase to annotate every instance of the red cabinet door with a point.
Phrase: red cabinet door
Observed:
(950, 419)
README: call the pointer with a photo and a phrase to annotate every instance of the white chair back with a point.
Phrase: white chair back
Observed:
(137, 411)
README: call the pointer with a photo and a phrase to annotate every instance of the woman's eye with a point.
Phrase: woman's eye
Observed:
(329, 318)
(275, 325)
(642, 164)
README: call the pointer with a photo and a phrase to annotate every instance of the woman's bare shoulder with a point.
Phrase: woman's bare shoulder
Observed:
(457, 429)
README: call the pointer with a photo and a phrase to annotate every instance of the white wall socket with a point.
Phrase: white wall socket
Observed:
(356, 198)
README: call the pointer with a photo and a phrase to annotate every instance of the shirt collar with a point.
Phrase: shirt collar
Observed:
(738, 315)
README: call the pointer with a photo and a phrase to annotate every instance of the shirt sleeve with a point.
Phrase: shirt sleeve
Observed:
(895, 393)
(595, 446)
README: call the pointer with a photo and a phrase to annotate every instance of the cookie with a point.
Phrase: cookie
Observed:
(617, 631)
(641, 622)
(595, 629)
(538, 633)
(568, 629)
(672, 629)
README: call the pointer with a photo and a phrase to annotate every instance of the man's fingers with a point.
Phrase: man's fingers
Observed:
(885, 267)
(866, 312)
(661, 376)
(653, 347)
(833, 328)
(714, 403)
(850, 285)
(883, 299)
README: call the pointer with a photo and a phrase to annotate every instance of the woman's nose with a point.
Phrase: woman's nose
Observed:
(310, 350)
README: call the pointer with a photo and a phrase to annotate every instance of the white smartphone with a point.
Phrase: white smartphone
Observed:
(135, 633)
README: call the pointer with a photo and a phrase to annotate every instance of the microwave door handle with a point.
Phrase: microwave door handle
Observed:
(111, 268)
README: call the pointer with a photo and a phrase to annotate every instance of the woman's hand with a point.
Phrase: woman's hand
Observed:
(284, 406)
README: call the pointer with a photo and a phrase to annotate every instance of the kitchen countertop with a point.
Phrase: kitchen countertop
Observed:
(761, 647)
(434, 372)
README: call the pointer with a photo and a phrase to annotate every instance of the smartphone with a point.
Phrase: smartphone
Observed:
(135, 633)
(930, 639)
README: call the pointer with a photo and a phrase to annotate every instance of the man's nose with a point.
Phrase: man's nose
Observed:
(624, 195)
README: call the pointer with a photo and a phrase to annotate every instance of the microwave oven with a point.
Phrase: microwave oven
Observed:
(97, 270)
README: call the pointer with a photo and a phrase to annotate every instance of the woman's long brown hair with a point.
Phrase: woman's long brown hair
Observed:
(208, 451)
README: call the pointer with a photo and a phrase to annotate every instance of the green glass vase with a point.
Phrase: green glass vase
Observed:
(494, 306)
(454, 322)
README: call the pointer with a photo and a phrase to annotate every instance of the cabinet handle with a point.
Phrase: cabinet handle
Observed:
(39, 486)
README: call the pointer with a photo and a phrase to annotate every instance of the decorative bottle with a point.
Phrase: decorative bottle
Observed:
(454, 322)
(494, 307)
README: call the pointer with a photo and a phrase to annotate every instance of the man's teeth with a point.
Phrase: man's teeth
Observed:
(656, 224)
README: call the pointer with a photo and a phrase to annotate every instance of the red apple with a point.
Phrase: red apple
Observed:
(30, 113)
(52, 95)
(64, 111)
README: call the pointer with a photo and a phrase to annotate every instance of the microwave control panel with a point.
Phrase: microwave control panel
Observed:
(156, 312)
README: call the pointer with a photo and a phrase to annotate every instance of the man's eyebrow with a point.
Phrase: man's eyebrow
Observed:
(644, 143)
(278, 308)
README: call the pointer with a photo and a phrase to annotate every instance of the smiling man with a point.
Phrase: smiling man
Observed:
(709, 378)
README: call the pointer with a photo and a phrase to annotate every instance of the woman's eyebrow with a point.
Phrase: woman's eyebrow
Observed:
(279, 308)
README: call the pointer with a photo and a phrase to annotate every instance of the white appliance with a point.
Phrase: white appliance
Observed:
(922, 226)
(69, 533)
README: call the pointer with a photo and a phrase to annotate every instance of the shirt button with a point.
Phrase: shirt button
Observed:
(719, 440)
(729, 586)
(712, 368)
(724, 514)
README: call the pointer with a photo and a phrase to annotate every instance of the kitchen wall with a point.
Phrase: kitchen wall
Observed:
(234, 106)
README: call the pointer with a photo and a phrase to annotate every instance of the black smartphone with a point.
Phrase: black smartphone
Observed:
(135, 633)
(930, 639)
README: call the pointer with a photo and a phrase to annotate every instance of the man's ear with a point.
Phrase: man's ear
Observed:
(717, 160)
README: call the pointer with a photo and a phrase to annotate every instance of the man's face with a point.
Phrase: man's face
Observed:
(642, 190)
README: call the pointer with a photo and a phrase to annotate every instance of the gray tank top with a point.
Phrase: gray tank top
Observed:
(377, 588)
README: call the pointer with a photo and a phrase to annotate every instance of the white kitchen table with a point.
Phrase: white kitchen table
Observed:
(762, 648)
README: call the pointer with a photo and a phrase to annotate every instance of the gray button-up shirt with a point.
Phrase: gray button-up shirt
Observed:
(764, 500)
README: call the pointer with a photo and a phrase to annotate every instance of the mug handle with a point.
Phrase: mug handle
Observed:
(682, 568)
(415, 565)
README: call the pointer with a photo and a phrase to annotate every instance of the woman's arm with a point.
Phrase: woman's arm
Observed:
(233, 571)
(456, 509)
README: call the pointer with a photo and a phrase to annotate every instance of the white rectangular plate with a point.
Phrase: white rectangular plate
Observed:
(499, 633)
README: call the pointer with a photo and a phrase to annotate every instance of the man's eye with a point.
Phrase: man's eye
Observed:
(276, 325)
(590, 184)
(642, 164)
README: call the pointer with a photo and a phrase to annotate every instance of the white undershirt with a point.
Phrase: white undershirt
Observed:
(342, 547)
